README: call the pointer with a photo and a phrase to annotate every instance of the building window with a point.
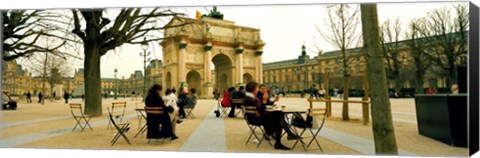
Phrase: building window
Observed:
(298, 77)
(313, 77)
(359, 68)
(274, 79)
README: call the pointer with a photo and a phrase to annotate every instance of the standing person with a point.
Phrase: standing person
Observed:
(237, 95)
(271, 121)
(181, 102)
(454, 88)
(40, 97)
(54, 95)
(312, 91)
(216, 94)
(133, 95)
(66, 96)
(154, 99)
(29, 97)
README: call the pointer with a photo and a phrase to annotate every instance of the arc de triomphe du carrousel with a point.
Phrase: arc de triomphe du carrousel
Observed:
(210, 53)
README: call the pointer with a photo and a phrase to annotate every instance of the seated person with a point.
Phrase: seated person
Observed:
(263, 92)
(240, 94)
(171, 100)
(273, 122)
(181, 102)
(226, 102)
(192, 99)
(154, 99)
(7, 102)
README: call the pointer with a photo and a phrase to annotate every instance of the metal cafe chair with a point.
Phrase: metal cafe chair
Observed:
(120, 114)
(189, 110)
(77, 113)
(120, 127)
(152, 111)
(314, 112)
(236, 102)
(252, 110)
(224, 109)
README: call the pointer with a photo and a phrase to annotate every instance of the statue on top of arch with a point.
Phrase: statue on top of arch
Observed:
(214, 14)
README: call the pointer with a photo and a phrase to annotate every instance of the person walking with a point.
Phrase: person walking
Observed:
(40, 97)
(66, 96)
(29, 97)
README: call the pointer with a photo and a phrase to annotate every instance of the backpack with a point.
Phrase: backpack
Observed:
(298, 121)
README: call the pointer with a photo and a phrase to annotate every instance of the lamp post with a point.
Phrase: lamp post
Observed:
(116, 85)
(144, 47)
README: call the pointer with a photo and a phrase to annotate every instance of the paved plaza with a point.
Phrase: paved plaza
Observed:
(50, 126)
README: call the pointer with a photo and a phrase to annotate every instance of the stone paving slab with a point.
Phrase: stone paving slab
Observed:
(208, 136)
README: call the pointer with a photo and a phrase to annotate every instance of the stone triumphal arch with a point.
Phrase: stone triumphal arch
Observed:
(210, 53)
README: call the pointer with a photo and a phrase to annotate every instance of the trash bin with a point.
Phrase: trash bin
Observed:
(443, 117)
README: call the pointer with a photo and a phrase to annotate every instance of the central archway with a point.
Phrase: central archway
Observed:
(194, 81)
(247, 77)
(223, 71)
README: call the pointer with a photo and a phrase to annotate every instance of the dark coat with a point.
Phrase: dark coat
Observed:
(269, 120)
(154, 121)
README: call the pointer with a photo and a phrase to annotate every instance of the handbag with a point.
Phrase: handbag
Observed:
(170, 109)
(301, 123)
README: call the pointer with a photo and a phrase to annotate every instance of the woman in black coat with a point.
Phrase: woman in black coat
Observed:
(154, 99)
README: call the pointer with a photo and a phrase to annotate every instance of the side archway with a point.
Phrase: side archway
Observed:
(194, 81)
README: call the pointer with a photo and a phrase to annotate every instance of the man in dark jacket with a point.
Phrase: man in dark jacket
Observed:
(240, 94)
(66, 96)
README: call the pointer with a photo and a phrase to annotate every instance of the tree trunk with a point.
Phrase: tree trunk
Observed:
(419, 84)
(345, 97)
(382, 124)
(93, 98)
(44, 78)
(398, 83)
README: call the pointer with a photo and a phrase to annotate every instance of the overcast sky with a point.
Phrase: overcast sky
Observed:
(284, 28)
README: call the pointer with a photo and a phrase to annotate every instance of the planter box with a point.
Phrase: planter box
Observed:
(443, 117)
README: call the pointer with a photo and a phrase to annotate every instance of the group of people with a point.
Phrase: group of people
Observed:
(66, 96)
(173, 110)
(272, 121)
(317, 93)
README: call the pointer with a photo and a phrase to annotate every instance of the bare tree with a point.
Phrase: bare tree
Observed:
(101, 33)
(418, 47)
(382, 123)
(51, 68)
(447, 38)
(343, 20)
(24, 30)
(390, 35)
